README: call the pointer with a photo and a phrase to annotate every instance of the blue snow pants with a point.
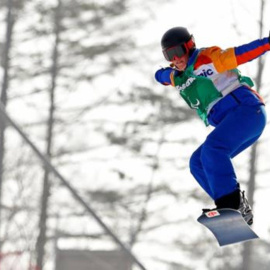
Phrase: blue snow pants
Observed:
(239, 120)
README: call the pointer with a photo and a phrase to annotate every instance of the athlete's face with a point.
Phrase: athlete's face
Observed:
(180, 62)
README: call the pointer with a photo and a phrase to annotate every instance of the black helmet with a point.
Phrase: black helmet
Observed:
(177, 37)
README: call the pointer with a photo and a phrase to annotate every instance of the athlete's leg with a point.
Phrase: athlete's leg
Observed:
(196, 169)
(241, 127)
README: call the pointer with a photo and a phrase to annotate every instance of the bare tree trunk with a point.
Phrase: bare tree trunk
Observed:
(41, 241)
(247, 250)
(6, 67)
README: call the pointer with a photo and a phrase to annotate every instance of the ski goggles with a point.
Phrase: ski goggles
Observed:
(176, 51)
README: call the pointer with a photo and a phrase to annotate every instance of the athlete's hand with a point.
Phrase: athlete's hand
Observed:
(159, 74)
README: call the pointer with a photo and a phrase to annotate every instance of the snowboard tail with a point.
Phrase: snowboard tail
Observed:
(228, 226)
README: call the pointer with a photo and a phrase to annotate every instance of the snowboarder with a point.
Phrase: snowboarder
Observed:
(209, 81)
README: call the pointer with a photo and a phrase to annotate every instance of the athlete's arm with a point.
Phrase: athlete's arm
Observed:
(163, 75)
(232, 57)
(250, 51)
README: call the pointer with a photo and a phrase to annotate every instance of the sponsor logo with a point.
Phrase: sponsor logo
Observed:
(186, 84)
(206, 72)
(212, 214)
(195, 105)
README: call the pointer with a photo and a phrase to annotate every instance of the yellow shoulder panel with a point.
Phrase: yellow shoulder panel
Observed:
(222, 59)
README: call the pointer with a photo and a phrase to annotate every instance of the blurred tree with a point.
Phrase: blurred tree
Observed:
(38, 69)
(13, 7)
(248, 250)
(41, 240)
(5, 81)
(72, 16)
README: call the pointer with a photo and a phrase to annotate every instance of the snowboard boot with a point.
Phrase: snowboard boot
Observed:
(237, 200)
(245, 209)
(231, 201)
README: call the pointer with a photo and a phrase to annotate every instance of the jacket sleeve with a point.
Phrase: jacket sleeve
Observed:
(232, 57)
(164, 76)
(250, 51)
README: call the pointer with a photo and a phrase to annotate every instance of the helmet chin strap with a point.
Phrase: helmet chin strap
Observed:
(172, 65)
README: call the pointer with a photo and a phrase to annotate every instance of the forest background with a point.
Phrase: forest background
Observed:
(78, 78)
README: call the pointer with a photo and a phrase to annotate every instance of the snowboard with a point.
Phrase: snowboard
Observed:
(228, 226)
